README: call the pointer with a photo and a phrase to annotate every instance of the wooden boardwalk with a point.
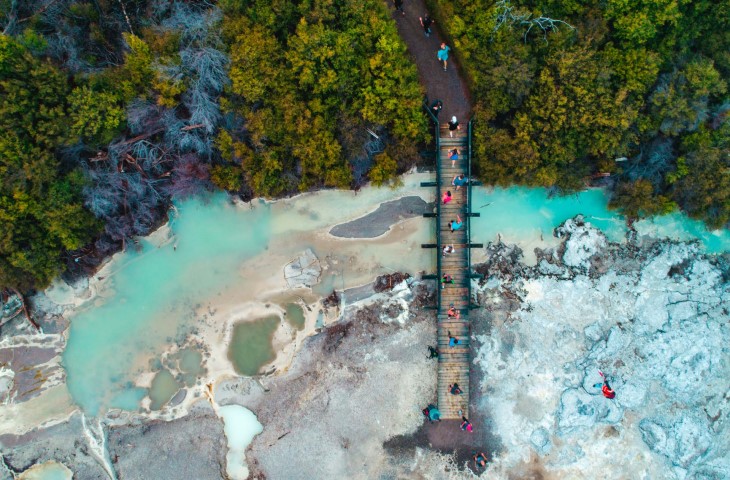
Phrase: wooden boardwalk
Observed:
(454, 361)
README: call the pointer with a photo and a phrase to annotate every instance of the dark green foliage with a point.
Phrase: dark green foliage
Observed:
(305, 77)
(633, 79)
(41, 212)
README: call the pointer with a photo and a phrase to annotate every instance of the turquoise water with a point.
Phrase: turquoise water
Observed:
(156, 292)
(519, 214)
(524, 213)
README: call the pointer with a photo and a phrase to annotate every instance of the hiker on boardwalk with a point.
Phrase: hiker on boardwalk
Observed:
(454, 156)
(446, 197)
(433, 352)
(447, 249)
(426, 23)
(432, 413)
(466, 425)
(446, 279)
(453, 124)
(454, 389)
(460, 181)
(443, 54)
(456, 224)
(436, 107)
(398, 4)
(454, 314)
(480, 460)
(453, 341)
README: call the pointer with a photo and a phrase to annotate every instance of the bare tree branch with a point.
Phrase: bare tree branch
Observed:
(506, 14)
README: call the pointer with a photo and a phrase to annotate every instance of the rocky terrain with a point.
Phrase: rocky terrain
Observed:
(653, 316)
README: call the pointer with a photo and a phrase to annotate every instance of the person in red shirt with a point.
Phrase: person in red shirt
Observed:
(606, 389)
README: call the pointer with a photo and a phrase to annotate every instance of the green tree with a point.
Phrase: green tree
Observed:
(41, 211)
(95, 116)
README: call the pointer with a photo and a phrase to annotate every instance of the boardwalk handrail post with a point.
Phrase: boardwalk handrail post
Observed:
(469, 206)
(437, 140)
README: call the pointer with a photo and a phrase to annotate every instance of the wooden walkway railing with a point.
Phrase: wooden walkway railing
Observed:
(454, 359)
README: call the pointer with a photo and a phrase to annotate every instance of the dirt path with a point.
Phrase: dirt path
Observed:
(447, 86)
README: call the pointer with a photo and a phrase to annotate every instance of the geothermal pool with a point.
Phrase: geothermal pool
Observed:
(221, 253)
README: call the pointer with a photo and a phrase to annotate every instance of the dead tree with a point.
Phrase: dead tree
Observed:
(25, 309)
(507, 15)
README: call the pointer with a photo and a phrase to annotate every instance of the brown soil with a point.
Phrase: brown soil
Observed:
(448, 86)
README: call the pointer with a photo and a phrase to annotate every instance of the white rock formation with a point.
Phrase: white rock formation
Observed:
(304, 271)
(656, 322)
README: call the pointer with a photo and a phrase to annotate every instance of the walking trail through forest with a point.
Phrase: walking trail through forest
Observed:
(448, 86)
(452, 90)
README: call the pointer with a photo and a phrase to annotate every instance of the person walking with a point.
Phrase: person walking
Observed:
(453, 156)
(453, 125)
(443, 54)
(466, 425)
(426, 23)
(453, 341)
(459, 181)
(432, 413)
(436, 107)
(446, 197)
(456, 224)
(454, 389)
(447, 250)
(446, 278)
(398, 4)
(480, 460)
(433, 352)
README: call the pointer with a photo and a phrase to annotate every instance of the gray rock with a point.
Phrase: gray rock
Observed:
(579, 409)
(304, 271)
(378, 222)
(682, 442)
(190, 447)
(178, 398)
(540, 439)
(64, 443)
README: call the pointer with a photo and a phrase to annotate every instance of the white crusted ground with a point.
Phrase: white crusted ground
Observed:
(654, 319)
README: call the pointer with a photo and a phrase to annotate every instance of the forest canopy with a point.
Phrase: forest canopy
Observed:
(111, 110)
(567, 90)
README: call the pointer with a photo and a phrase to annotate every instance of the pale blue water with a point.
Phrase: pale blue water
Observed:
(520, 213)
(51, 470)
(157, 289)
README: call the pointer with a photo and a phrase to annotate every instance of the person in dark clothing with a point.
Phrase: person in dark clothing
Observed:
(399, 6)
(454, 389)
(480, 460)
(453, 126)
(446, 278)
(436, 107)
(426, 23)
(433, 352)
